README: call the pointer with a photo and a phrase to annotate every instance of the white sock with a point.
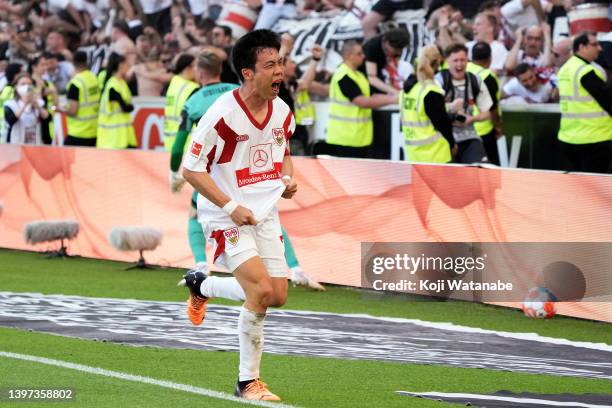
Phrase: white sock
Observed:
(250, 336)
(227, 288)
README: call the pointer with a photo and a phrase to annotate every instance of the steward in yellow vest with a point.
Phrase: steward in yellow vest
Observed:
(115, 130)
(304, 109)
(181, 87)
(349, 124)
(428, 130)
(7, 93)
(489, 130)
(83, 104)
(586, 108)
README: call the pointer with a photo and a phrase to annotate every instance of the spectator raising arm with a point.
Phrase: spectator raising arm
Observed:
(512, 59)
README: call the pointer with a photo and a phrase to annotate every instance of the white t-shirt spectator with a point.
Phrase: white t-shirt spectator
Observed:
(517, 93)
(97, 11)
(517, 15)
(542, 71)
(154, 6)
(499, 53)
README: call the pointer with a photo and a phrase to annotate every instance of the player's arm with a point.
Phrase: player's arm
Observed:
(290, 185)
(205, 185)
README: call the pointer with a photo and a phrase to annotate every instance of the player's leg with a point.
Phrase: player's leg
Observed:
(260, 294)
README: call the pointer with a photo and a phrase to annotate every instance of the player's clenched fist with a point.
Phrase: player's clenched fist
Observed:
(290, 187)
(243, 216)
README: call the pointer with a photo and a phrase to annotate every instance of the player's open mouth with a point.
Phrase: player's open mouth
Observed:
(276, 86)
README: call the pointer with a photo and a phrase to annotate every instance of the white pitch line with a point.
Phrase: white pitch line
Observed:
(521, 400)
(141, 379)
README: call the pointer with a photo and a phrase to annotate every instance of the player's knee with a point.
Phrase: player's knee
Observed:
(279, 300)
(264, 296)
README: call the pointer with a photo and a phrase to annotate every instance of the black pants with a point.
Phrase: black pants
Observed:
(490, 145)
(589, 157)
(79, 141)
(347, 151)
(471, 151)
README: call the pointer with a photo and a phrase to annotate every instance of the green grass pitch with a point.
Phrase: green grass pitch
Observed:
(301, 381)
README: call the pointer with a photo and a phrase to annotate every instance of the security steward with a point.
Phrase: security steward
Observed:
(349, 125)
(428, 130)
(181, 87)
(115, 129)
(83, 103)
(586, 108)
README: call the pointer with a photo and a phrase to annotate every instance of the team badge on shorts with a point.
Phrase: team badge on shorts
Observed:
(279, 135)
(232, 236)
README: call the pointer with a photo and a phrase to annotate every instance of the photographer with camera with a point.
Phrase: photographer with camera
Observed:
(23, 113)
(463, 92)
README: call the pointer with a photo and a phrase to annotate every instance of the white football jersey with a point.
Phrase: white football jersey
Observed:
(243, 157)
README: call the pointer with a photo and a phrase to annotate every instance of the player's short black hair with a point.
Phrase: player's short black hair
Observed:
(481, 51)
(246, 49)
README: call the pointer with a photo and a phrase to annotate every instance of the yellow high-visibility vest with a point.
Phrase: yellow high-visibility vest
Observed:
(178, 92)
(422, 142)
(304, 109)
(85, 124)
(583, 120)
(348, 124)
(115, 130)
(484, 127)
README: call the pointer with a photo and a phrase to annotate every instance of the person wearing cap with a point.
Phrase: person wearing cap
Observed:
(83, 103)
(181, 87)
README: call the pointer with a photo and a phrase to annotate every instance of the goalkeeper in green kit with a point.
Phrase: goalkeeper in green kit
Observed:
(208, 74)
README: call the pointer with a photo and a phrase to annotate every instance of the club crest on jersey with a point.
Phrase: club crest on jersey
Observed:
(232, 235)
(196, 149)
(279, 135)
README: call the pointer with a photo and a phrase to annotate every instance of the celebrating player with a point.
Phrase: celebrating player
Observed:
(240, 164)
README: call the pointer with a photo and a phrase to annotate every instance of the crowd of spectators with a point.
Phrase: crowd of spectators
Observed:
(41, 37)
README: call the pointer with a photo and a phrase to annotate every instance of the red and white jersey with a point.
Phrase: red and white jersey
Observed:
(243, 157)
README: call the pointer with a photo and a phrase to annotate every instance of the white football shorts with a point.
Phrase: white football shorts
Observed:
(236, 245)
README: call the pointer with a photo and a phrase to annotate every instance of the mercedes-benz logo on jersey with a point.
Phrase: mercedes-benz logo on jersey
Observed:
(260, 158)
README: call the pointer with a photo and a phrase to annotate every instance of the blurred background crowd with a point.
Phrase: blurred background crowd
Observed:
(45, 43)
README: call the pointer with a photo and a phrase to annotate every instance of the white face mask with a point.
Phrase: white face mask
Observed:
(24, 90)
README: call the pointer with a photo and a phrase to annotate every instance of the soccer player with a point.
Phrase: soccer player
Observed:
(239, 162)
(208, 71)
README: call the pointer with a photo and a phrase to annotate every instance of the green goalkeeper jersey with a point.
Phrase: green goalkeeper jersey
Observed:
(195, 107)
